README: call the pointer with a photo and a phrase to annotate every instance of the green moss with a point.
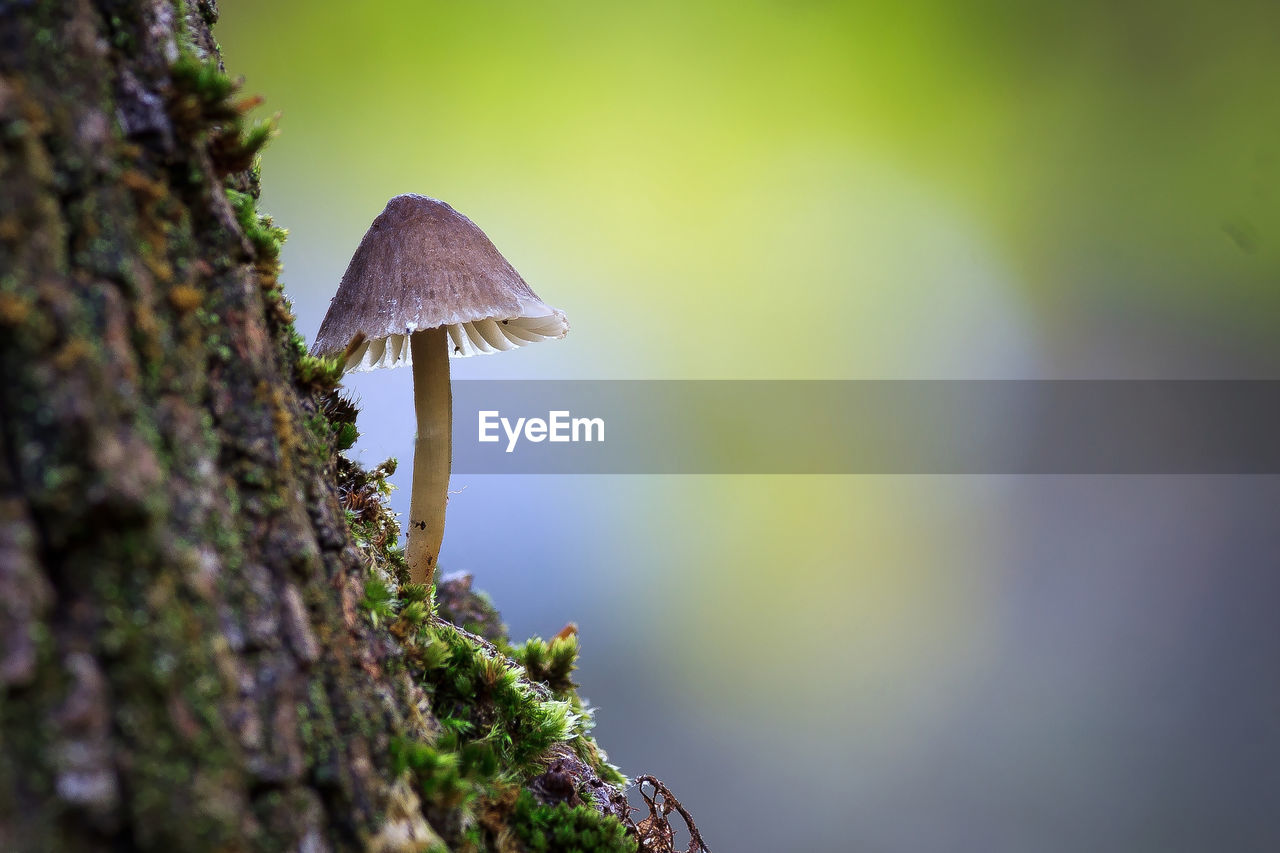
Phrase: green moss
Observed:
(449, 779)
(550, 663)
(373, 526)
(257, 135)
(567, 829)
(297, 343)
(481, 687)
(379, 602)
(416, 592)
(204, 80)
(167, 696)
(319, 427)
(266, 238)
(415, 613)
(347, 436)
(319, 373)
(234, 146)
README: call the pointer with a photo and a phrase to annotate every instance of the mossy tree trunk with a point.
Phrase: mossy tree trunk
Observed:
(173, 559)
(186, 657)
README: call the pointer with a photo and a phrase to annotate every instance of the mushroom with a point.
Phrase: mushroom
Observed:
(423, 285)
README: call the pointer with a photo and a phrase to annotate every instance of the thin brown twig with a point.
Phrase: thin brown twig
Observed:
(654, 832)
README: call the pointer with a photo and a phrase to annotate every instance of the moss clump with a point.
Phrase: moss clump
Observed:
(346, 435)
(485, 694)
(563, 828)
(551, 663)
(447, 777)
(203, 88)
(235, 146)
(266, 238)
(373, 527)
(416, 592)
(320, 374)
(378, 601)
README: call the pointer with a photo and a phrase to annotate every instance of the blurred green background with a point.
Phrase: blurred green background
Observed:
(811, 189)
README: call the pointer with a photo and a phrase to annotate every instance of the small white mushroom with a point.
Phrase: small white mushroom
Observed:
(426, 283)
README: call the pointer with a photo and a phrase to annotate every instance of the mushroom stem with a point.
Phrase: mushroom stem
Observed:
(432, 452)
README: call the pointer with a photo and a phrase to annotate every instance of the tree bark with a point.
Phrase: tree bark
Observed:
(187, 655)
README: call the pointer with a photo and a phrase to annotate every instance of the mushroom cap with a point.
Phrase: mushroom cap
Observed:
(422, 265)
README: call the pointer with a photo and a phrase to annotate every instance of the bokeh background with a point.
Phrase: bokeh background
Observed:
(810, 189)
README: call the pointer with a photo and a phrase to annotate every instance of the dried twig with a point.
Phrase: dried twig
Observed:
(654, 832)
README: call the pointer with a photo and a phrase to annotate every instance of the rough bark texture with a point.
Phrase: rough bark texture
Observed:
(191, 654)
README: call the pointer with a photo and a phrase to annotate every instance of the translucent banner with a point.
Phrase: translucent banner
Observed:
(866, 427)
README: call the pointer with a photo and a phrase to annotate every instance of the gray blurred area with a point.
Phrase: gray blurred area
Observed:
(1130, 703)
